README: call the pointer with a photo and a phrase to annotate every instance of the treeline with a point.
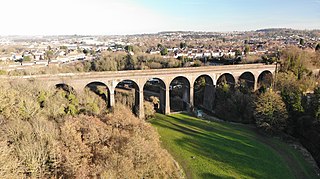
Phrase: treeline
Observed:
(50, 133)
(116, 61)
(291, 106)
(108, 61)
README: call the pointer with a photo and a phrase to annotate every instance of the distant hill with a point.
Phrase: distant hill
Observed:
(274, 29)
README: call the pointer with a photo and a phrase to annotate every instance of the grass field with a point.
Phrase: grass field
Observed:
(222, 150)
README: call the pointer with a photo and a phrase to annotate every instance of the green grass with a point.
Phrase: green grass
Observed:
(222, 150)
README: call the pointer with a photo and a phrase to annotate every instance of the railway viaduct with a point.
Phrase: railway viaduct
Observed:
(251, 73)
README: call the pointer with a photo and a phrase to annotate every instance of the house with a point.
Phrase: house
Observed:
(72, 46)
(198, 55)
(39, 55)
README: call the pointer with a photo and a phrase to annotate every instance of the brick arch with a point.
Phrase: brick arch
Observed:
(156, 87)
(66, 87)
(93, 87)
(247, 78)
(203, 92)
(265, 79)
(127, 79)
(204, 75)
(226, 77)
(145, 80)
(125, 87)
(179, 91)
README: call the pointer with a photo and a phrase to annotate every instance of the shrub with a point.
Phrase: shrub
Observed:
(270, 112)
(3, 72)
(149, 111)
(91, 103)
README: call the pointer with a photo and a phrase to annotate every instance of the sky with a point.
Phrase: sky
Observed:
(119, 17)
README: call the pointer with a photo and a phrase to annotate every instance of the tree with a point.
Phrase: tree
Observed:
(85, 51)
(129, 48)
(200, 83)
(292, 96)
(49, 55)
(26, 58)
(302, 42)
(64, 48)
(159, 46)
(318, 47)
(246, 49)
(270, 111)
(183, 45)
(315, 103)
(131, 62)
(149, 110)
(238, 53)
(294, 60)
(164, 51)
(233, 105)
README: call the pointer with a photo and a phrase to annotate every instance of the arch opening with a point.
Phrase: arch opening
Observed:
(246, 82)
(127, 93)
(265, 80)
(204, 92)
(179, 94)
(65, 87)
(226, 80)
(154, 91)
(101, 90)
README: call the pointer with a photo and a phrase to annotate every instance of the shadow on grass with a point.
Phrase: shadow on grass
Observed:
(203, 124)
(229, 133)
(225, 147)
(210, 175)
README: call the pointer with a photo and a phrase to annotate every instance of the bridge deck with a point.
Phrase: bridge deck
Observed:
(150, 72)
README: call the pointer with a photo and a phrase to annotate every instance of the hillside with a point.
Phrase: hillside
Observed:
(223, 150)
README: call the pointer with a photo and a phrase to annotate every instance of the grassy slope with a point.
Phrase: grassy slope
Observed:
(222, 150)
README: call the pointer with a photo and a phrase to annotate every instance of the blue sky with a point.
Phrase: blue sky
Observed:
(229, 15)
(54, 17)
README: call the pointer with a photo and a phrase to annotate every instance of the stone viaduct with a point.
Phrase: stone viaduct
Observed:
(78, 81)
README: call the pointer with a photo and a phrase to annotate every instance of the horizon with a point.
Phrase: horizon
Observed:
(152, 33)
(128, 17)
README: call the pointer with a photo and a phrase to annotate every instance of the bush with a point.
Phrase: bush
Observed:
(149, 111)
(3, 72)
(92, 104)
(270, 112)
(125, 97)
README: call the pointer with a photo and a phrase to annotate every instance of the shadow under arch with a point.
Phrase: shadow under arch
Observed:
(226, 78)
(204, 92)
(265, 80)
(65, 87)
(247, 80)
(157, 88)
(179, 94)
(100, 89)
(127, 93)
